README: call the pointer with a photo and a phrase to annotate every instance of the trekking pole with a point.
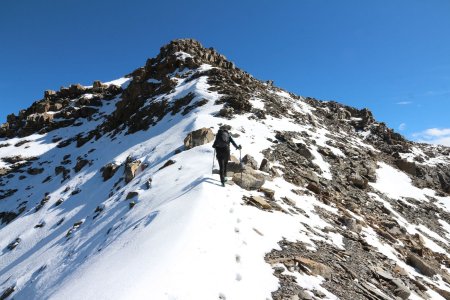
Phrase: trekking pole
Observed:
(240, 162)
(212, 171)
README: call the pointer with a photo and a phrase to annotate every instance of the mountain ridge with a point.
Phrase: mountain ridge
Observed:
(90, 170)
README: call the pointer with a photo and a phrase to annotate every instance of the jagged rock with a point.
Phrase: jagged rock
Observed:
(131, 166)
(7, 292)
(248, 160)
(13, 244)
(247, 181)
(131, 195)
(420, 265)
(358, 181)
(314, 187)
(35, 171)
(167, 163)
(401, 290)
(198, 137)
(81, 163)
(109, 170)
(265, 166)
(406, 166)
(303, 150)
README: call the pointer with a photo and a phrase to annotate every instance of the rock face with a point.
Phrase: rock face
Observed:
(131, 166)
(198, 137)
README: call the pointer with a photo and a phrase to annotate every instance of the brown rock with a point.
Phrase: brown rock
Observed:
(131, 166)
(315, 267)
(198, 137)
(406, 166)
(109, 170)
(260, 201)
(314, 187)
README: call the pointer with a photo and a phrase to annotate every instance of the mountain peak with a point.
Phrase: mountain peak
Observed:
(107, 192)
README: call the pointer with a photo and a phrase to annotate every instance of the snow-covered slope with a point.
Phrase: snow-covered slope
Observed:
(337, 216)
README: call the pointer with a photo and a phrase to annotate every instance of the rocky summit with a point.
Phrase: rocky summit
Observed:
(111, 191)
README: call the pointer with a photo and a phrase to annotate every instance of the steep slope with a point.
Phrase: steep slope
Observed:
(100, 198)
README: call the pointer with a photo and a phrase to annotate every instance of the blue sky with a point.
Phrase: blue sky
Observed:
(391, 56)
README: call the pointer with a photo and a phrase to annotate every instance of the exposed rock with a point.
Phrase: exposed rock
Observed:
(420, 265)
(315, 267)
(131, 166)
(35, 171)
(7, 292)
(406, 166)
(109, 170)
(358, 181)
(260, 201)
(247, 181)
(81, 163)
(198, 137)
(248, 160)
(131, 195)
(13, 244)
(167, 163)
(314, 187)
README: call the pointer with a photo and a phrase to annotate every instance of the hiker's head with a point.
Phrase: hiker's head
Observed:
(225, 127)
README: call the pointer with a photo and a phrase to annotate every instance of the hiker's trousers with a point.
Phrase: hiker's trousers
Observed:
(223, 156)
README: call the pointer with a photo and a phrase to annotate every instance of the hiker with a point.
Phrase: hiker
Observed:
(222, 146)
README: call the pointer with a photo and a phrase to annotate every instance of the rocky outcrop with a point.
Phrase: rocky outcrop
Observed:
(131, 166)
(109, 170)
(198, 137)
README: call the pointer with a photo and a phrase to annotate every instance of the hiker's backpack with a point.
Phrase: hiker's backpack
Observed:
(222, 139)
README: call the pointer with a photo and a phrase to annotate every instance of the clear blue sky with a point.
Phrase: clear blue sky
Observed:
(392, 56)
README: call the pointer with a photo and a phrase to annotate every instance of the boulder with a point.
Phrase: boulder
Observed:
(109, 170)
(198, 137)
(304, 151)
(234, 167)
(421, 265)
(314, 187)
(248, 160)
(131, 166)
(406, 166)
(80, 164)
(247, 181)
(358, 181)
(402, 291)
(265, 165)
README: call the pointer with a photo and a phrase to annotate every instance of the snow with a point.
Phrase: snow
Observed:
(187, 237)
(397, 185)
(192, 232)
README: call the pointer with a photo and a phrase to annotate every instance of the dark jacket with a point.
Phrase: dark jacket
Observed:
(223, 139)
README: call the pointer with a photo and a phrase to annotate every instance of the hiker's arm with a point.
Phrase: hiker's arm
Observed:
(234, 144)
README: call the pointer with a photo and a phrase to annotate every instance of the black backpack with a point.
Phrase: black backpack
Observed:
(222, 139)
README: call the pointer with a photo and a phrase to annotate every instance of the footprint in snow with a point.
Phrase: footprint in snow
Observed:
(231, 210)
(238, 258)
(238, 277)
(222, 296)
(236, 229)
